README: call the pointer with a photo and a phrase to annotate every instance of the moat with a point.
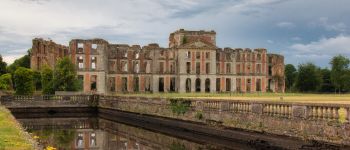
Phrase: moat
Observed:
(103, 131)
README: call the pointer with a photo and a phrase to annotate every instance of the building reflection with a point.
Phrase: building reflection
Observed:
(98, 134)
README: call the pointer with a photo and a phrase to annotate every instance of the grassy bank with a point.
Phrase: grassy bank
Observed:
(288, 97)
(12, 136)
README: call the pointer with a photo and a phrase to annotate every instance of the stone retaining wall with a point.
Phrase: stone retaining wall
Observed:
(310, 121)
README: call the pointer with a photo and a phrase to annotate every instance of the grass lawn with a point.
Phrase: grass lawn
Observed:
(12, 136)
(286, 97)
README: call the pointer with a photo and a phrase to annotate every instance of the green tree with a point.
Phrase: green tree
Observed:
(24, 81)
(3, 65)
(37, 80)
(21, 62)
(327, 85)
(290, 74)
(340, 66)
(309, 78)
(47, 80)
(6, 82)
(65, 76)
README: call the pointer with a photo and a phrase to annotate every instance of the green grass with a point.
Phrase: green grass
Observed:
(288, 97)
(12, 136)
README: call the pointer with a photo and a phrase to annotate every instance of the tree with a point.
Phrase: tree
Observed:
(6, 82)
(309, 78)
(47, 80)
(290, 74)
(340, 66)
(37, 80)
(24, 81)
(65, 76)
(326, 86)
(3, 65)
(20, 62)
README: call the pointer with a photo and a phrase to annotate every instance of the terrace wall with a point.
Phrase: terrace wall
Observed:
(306, 121)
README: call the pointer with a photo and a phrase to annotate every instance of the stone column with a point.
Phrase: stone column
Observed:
(299, 111)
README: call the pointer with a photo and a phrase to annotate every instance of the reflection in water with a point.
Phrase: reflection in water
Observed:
(101, 134)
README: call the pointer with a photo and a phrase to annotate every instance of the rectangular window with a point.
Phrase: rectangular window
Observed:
(217, 67)
(188, 54)
(238, 68)
(228, 68)
(93, 46)
(124, 66)
(93, 140)
(218, 84)
(198, 55)
(93, 83)
(80, 48)
(259, 57)
(80, 61)
(124, 84)
(136, 67)
(172, 67)
(207, 55)
(111, 84)
(228, 84)
(188, 67)
(136, 84)
(258, 68)
(80, 140)
(207, 68)
(161, 67)
(198, 68)
(93, 62)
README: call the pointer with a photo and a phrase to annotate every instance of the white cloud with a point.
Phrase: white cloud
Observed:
(331, 46)
(286, 25)
(270, 41)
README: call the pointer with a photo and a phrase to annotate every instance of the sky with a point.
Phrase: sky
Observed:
(301, 30)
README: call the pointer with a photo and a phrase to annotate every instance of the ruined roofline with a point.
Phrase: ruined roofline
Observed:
(194, 32)
(48, 42)
(277, 55)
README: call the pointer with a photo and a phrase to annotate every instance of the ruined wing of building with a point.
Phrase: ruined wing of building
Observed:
(191, 63)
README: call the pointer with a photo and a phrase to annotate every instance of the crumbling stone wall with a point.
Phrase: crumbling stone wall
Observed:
(46, 53)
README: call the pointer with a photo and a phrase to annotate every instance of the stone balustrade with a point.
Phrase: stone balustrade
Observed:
(312, 111)
(19, 101)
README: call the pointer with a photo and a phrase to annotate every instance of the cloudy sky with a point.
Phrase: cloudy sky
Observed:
(302, 30)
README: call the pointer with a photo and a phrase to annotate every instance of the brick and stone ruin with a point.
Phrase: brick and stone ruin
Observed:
(191, 63)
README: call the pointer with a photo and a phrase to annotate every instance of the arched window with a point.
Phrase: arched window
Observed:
(188, 85)
(207, 85)
(198, 85)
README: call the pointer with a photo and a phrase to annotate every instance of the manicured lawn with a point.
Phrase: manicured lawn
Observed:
(287, 97)
(12, 137)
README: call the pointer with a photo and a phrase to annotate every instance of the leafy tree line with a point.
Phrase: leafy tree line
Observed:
(19, 77)
(310, 78)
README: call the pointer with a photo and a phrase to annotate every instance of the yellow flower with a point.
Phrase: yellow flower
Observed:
(50, 148)
(36, 137)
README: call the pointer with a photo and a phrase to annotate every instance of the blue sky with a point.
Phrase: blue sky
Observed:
(301, 30)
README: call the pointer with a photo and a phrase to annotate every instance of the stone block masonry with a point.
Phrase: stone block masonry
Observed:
(307, 121)
(191, 63)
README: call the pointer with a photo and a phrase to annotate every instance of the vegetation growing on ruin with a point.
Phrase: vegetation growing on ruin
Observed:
(179, 106)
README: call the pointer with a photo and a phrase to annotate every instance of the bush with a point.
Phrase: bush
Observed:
(24, 81)
(6, 82)
(179, 106)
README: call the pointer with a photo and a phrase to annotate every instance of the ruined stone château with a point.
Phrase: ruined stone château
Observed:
(192, 63)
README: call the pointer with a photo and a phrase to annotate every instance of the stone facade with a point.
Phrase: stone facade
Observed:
(191, 63)
(46, 53)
